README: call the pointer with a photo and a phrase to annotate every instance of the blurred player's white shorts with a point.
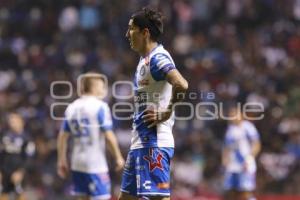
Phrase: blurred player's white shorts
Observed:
(239, 181)
(95, 186)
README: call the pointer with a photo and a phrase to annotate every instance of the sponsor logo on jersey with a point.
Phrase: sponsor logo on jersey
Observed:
(143, 70)
(144, 82)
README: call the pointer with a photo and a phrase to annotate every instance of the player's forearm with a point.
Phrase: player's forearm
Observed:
(112, 145)
(225, 155)
(62, 147)
(256, 148)
(179, 86)
(179, 89)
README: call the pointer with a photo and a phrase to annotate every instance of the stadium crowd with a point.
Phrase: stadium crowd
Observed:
(239, 50)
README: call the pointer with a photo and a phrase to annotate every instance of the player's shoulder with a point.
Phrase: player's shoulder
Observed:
(229, 129)
(71, 106)
(88, 102)
(248, 124)
(159, 53)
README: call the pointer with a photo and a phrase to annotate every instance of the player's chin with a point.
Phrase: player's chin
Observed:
(133, 48)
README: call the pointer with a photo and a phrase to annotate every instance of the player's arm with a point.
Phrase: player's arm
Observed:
(256, 147)
(225, 156)
(162, 68)
(106, 126)
(113, 148)
(255, 141)
(62, 146)
(1, 161)
(226, 148)
(179, 87)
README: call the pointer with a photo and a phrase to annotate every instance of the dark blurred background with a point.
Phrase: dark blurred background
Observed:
(240, 50)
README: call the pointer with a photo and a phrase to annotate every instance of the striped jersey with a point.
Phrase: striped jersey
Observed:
(151, 90)
(86, 119)
(238, 139)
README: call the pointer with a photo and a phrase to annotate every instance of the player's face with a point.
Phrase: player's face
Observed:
(16, 123)
(135, 36)
(98, 88)
(236, 115)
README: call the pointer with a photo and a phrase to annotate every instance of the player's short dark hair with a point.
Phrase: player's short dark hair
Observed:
(151, 19)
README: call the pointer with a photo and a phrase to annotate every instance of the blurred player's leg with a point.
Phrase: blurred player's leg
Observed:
(230, 194)
(22, 197)
(1, 187)
(237, 195)
(83, 198)
(8, 186)
(246, 196)
(4, 197)
(159, 198)
(125, 196)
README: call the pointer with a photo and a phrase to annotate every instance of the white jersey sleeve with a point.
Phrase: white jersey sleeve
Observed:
(65, 127)
(104, 118)
(251, 131)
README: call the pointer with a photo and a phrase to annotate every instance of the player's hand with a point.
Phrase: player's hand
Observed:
(62, 169)
(153, 117)
(224, 162)
(119, 164)
(247, 163)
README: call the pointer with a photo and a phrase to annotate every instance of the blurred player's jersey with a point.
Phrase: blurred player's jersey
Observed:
(86, 119)
(238, 140)
(15, 149)
(152, 90)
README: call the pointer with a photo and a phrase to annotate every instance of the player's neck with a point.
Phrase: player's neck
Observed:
(89, 94)
(148, 48)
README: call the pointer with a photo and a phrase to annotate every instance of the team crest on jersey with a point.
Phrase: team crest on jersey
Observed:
(153, 160)
(143, 70)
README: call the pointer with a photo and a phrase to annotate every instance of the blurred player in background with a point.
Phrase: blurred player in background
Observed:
(15, 151)
(88, 121)
(157, 84)
(241, 146)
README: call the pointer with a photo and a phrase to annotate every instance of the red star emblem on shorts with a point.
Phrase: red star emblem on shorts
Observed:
(154, 162)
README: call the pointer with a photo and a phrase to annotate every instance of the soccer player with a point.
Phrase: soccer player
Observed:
(15, 151)
(157, 87)
(241, 146)
(88, 121)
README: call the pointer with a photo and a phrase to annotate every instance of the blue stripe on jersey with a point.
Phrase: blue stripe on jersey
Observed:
(160, 65)
(239, 156)
(248, 136)
(65, 126)
(135, 82)
(228, 141)
(104, 126)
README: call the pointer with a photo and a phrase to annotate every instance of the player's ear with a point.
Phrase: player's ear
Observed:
(146, 32)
